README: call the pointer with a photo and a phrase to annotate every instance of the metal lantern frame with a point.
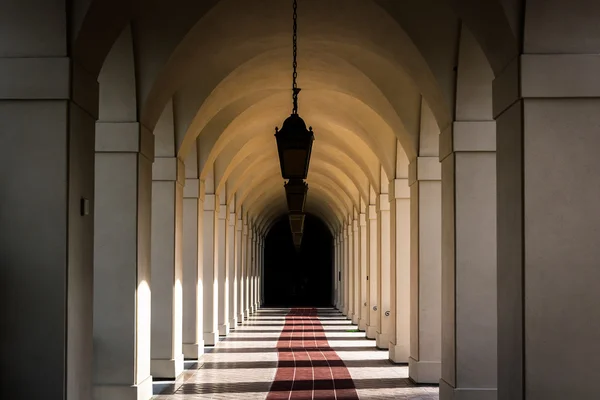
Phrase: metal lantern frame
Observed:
(297, 222)
(297, 238)
(295, 193)
(294, 140)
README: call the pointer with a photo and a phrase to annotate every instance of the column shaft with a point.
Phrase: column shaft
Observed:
(548, 169)
(374, 276)
(232, 270)
(344, 269)
(400, 208)
(167, 230)
(241, 246)
(426, 271)
(211, 289)
(364, 272)
(386, 321)
(469, 314)
(221, 267)
(350, 255)
(193, 212)
(122, 303)
(356, 275)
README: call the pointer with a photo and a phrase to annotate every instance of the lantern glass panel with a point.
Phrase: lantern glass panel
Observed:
(297, 223)
(295, 191)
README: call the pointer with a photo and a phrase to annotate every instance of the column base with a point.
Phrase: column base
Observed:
(167, 369)
(211, 338)
(425, 371)
(344, 311)
(224, 329)
(362, 324)
(383, 341)
(355, 319)
(141, 391)
(449, 392)
(371, 332)
(247, 313)
(193, 351)
(233, 323)
(240, 319)
(399, 354)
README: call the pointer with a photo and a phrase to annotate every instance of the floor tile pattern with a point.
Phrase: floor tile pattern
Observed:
(244, 365)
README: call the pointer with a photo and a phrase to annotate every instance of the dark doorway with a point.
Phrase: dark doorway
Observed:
(301, 278)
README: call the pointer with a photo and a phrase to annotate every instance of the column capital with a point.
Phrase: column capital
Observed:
(169, 169)
(425, 169)
(209, 202)
(231, 219)
(239, 224)
(222, 211)
(468, 136)
(191, 189)
(400, 188)
(546, 76)
(49, 78)
(384, 202)
(124, 137)
(372, 211)
(355, 225)
(363, 219)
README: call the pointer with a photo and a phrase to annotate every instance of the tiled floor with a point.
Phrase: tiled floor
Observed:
(244, 365)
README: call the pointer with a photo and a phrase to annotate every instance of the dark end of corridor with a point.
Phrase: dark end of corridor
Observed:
(299, 278)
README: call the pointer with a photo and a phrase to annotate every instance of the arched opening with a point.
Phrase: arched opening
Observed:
(298, 278)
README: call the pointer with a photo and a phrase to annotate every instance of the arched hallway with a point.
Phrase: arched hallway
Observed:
(454, 169)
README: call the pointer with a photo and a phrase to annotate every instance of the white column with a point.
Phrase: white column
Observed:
(546, 106)
(426, 270)
(221, 267)
(257, 272)
(240, 254)
(336, 275)
(374, 277)
(401, 252)
(232, 270)
(469, 315)
(345, 273)
(386, 321)
(211, 305)
(247, 242)
(122, 304)
(364, 273)
(254, 268)
(193, 210)
(350, 268)
(48, 106)
(167, 231)
(261, 274)
(249, 256)
(356, 275)
(469, 231)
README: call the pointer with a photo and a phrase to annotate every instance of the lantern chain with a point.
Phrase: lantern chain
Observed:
(295, 89)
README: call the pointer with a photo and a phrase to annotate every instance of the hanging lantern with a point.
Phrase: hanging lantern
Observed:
(294, 144)
(294, 141)
(295, 192)
(297, 222)
(297, 240)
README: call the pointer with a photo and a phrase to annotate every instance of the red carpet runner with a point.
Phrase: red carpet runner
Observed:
(308, 368)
